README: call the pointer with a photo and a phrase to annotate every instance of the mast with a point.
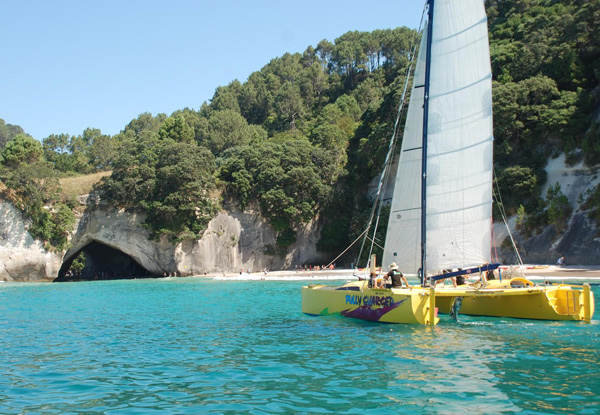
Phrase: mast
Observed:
(424, 147)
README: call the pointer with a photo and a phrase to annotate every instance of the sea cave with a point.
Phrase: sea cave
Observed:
(97, 261)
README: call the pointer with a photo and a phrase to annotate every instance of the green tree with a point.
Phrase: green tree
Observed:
(145, 125)
(559, 208)
(176, 129)
(21, 150)
(102, 152)
(290, 181)
(171, 182)
(289, 105)
(8, 132)
(182, 204)
(518, 186)
(226, 98)
(226, 129)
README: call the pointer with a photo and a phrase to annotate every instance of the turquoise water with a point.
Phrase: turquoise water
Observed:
(191, 346)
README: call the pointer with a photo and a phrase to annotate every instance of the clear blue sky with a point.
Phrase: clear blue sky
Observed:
(68, 65)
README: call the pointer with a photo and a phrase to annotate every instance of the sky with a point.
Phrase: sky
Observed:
(66, 65)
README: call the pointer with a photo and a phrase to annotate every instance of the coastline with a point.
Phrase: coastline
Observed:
(552, 272)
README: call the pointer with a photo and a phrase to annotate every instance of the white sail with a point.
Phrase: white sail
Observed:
(403, 238)
(459, 149)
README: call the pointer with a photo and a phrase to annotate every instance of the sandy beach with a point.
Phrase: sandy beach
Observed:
(534, 272)
(567, 271)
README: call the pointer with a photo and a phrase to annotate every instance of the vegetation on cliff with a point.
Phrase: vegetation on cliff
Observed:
(303, 136)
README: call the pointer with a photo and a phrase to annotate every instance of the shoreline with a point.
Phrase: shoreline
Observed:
(570, 272)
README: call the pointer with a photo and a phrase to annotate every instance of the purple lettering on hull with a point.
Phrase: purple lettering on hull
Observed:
(365, 312)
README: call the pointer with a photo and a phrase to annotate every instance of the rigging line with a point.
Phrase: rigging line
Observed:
(376, 244)
(389, 155)
(377, 221)
(504, 218)
(337, 257)
(493, 255)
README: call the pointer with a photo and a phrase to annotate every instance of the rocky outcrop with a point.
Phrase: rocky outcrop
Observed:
(21, 257)
(580, 243)
(122, 231)
(234, 240)
(244, 240)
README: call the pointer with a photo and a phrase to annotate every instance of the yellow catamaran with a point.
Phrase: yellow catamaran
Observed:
(441, 212)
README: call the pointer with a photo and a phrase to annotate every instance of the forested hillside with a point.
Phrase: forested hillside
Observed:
(302, 137)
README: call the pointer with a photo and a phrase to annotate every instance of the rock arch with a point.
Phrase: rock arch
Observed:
(105, 233)
(103, 262)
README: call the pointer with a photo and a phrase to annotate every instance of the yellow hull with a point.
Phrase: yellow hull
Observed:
(516, 298)
(356, 300)
(520, 298)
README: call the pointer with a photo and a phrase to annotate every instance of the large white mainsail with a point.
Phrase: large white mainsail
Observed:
(459, 148)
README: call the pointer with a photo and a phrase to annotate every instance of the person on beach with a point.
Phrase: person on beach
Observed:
(395, 276)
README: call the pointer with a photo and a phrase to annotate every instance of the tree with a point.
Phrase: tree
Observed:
(34, 184)
(226, 98)
(133, 177)
(8, 132)
(176, 129)
(169, 181)
(559, 208)
(36, 192)
(290, 180)
(56, 150)
(518, 186)
(289, 105)
(226, 129)
(21, 150)
(181, 204)
(145, 125)
(102, 152)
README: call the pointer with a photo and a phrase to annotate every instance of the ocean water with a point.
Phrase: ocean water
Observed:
(195, 346)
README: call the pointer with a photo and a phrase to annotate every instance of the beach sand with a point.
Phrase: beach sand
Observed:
(553, 272)
(568, 271)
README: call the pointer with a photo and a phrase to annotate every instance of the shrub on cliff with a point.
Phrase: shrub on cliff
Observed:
(169, 181)
(34, 189)
(291, 181)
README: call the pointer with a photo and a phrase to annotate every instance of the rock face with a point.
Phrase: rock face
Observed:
(122, 231)
(21, 257)
(233, 241)
(580, 243)
(243, 240)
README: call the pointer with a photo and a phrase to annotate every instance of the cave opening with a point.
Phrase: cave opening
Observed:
(97, 261)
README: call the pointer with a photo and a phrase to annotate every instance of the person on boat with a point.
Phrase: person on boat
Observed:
(461, 279)
(395, 276)
(443, 280)
(373, 280)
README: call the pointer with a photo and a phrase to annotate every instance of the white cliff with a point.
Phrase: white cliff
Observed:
(23, 258)
(232, 241)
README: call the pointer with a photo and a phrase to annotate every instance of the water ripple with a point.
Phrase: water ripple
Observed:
(189, 346)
